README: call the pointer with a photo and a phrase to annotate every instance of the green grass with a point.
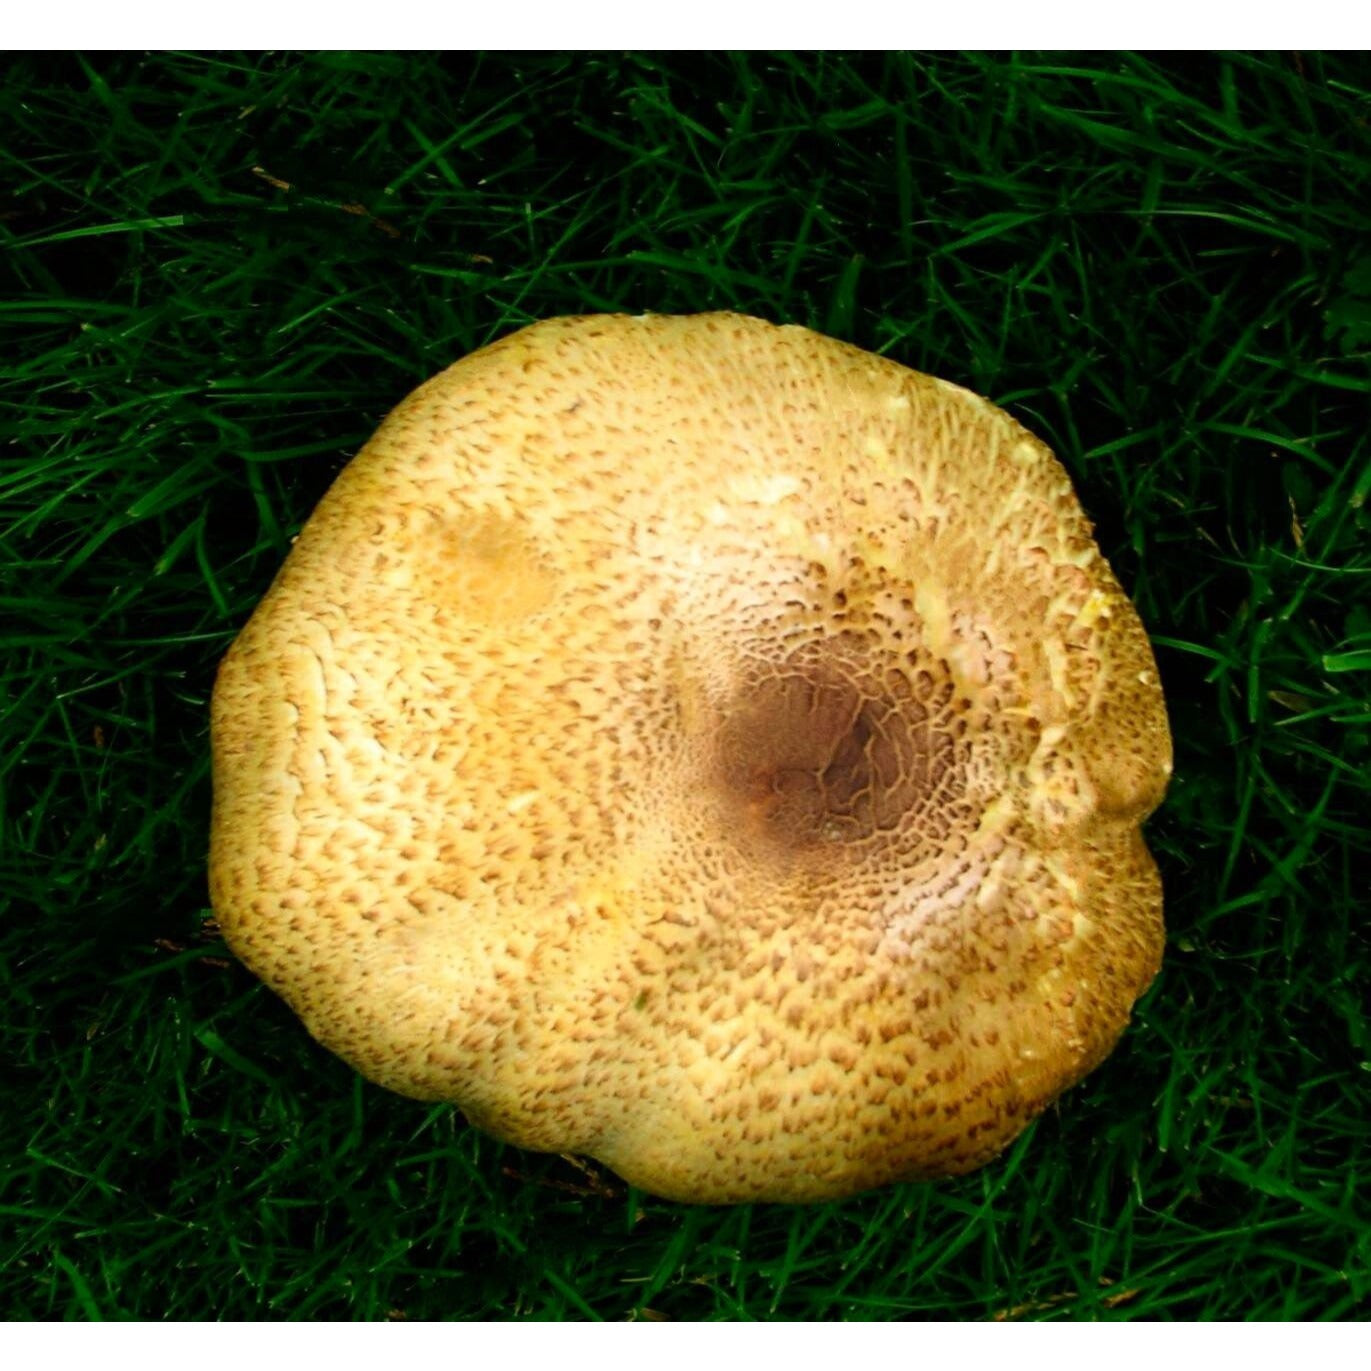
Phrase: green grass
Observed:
(220, 271)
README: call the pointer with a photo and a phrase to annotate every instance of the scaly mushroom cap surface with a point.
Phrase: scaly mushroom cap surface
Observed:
(704, 746)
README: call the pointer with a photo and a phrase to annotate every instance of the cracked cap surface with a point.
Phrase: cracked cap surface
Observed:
(704, 746)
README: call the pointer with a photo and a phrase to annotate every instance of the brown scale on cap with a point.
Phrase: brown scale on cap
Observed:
(704, 746)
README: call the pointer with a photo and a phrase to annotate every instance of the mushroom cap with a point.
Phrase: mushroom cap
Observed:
(704, 746)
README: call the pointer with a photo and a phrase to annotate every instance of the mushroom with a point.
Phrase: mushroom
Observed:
(703, 746)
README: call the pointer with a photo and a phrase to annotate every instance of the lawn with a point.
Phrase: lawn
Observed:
(222, 270)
